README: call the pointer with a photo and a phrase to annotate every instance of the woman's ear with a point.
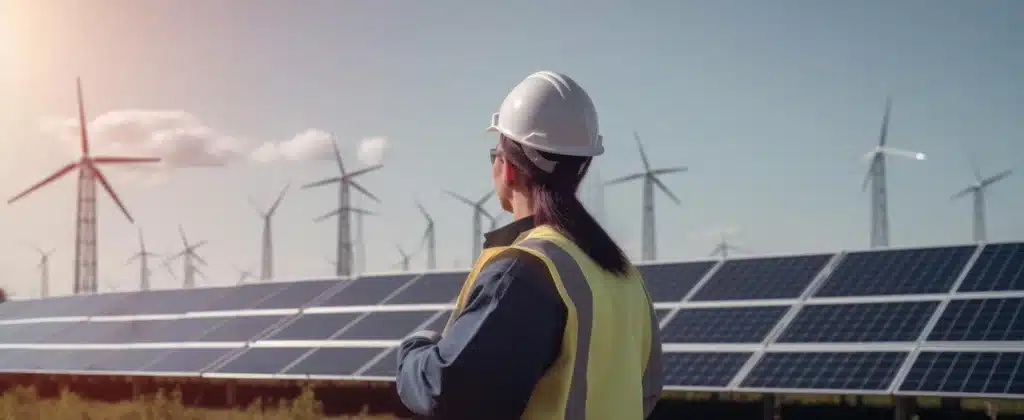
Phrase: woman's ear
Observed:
(508, 173)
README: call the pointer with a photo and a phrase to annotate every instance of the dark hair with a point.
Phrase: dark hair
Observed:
(555, 203)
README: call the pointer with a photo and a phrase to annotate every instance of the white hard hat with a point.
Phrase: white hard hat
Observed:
(550, 112)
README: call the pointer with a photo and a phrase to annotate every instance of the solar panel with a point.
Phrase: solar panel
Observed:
(998, 267)
(386, 367)
(187, 360)
(858, 323)
(995, 319)
(335, 361)
(431, 288)
(314, 326)
(164, 302)
(897, 272)
(32, 333)
(368, 290)
(995, 373)
(670, 282)
(660, 313)
(245, 296)
(262, 360)
(241, 328)
(385, 325)
(298, 294)
(824, 371)
(702, 369)
(762, 278)
(722, 325)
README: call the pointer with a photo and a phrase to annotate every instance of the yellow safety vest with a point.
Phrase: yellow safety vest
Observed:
(600, 371)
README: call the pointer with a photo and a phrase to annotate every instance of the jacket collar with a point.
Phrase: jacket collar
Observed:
(507, 235)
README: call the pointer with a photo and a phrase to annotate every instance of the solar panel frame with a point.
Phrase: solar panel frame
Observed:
(978, 278)
(710, 290)
(703, 368)
(696, 273)
(840, 290)
(850, 354)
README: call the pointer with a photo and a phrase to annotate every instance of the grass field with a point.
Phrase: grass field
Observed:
(23, 404)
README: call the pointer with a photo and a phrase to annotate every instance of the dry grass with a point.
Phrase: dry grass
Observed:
(24, 404)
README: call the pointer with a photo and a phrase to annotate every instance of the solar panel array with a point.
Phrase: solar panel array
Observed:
(945, 321)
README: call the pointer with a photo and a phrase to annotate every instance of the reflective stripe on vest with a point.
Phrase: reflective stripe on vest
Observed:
(580, 296)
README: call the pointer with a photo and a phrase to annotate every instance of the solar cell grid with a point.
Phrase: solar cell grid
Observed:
(863, 322)
(703, 369)
(244, 296)
(298, 294)
(897, 272)
(385, 325)
(966, 372)
(37, 332)
(190, 360)
(981, 320)
(670, 282)
(175, 301)
(243, 328)
(369, 290)
(431, 288)
(314, 326)
(335, 361)
(722, 325)
(840, 371)
(262, 360)
(998, 267)
(762, 278)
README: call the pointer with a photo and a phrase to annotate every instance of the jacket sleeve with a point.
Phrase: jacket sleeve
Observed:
(490, 359)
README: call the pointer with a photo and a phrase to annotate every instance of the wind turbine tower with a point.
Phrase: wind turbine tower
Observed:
(429, 238)
(86, 219)
(143, 257)
(650, 178)
(876, 176)
(478, 214)
(44, 271)
(267, 257)
(978, 192)
(345, 180)
(189, 257)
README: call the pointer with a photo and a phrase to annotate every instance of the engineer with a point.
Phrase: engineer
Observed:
(553, 321)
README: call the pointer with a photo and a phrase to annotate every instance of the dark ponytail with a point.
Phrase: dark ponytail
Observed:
(556, 204)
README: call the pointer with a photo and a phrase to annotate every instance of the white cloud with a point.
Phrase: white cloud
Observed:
(311, 144)
(180, 139)
(372, 150)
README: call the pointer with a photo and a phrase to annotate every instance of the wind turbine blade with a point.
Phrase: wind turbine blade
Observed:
(83, 131)
(110, 191)
(975, 168)
(664, 189)
(485, 198)
(423, 211)
(60, 172)
(461, 198)
(323, 182)
(121, 160)
(337, 156)
(252, 203)
(326, 216)
(273, 207)
(363, 171)
(962, 193)
(626, 178)
(666, 171)
(363, 190)
(171, 258)
(200, 259)
(643, 155)
(883, 137)
(184, 240)
(867, 177)
(996, 178)
(193, 248)
(904, 153)
(133, 258)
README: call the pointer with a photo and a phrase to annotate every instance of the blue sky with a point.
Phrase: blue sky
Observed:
(770, 106)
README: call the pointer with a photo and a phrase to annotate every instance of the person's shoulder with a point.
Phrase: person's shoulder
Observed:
(518, 269)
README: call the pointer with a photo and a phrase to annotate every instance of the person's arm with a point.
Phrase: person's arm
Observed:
(491, 357)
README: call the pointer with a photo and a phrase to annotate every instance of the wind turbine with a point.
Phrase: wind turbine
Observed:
(143, 257)
(189, 256)
(478, 213)
(650, 178)
(978, 191)
(345, 181)
(876, 176)
(723, 247)
(86, 242)
(44, 271)
(243, 274)
(267, 257)
(404, 261)
(429, 238)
